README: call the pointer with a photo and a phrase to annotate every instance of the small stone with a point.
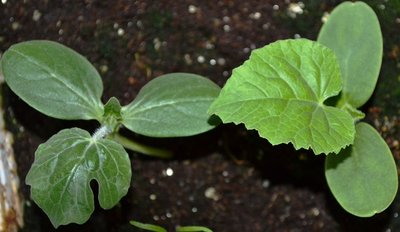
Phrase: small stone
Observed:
(192, 9)
(211, 193)
(227, 28)
(325, 17)
(255, 15)
(265, 184)
(153, 197)
(188, 59)
(168, 172)
(36, 15)
(120, 32)
(295, 9)
(201, 59)
(315, 211)
(15, 26)
(221, 61)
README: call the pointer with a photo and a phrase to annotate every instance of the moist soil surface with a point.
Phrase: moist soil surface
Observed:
(227, 179)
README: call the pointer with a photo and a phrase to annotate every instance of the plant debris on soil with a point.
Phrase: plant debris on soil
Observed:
(227, 179)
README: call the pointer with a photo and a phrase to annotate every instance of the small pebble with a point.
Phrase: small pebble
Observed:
(168, 172)
(15, 26)
(120, 32)
(255, 15)
(227, 28)
(211, 193)
(192, 9)
(265, 184)
(221, 61)
(153, 197)
(36, 15)
(315, 211)
(201, 59)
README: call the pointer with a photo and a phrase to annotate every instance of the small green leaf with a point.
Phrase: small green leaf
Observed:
(363, 177)
(280, 92)
(353, 33)
(172, 105)
(112, 114)
(62, 171)
(193, 229)
(148, 227)
(54, 79)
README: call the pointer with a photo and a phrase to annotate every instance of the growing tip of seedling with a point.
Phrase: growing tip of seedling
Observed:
(101, 132)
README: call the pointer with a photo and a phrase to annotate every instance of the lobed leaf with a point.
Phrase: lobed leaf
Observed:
(280, 92)
(62, 171)
(172, 105)
(352, 31)
(54, 79)
(363, 177)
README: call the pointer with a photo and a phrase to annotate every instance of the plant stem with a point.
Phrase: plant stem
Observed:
(135, 146)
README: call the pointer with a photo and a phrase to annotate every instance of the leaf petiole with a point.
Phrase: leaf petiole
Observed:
(135, 146)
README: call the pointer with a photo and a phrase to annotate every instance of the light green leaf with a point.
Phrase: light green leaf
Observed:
(280, 92)
(193, 229)
(54, 79)
(172, 105)
(353, 33)
(62, 171)
(363, 177)
(148, 227)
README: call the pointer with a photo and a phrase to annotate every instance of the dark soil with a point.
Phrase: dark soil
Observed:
(228, 179)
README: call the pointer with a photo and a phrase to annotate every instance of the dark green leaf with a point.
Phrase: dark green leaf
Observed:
(353, 33)
(62, 171)
(363, 177)
(54, 79)
(172, 105)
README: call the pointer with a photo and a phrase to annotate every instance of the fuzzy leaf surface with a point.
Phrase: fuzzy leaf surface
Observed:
(62, 171)
(54, 79)
(352, 31)
(363, 177)
(280, 92)
(172, 105)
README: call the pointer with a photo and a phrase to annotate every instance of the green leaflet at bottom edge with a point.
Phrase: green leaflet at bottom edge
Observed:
(363, 177)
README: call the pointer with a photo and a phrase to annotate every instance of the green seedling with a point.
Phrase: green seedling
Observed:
(60, 83)
(307, 93)
(154, 228)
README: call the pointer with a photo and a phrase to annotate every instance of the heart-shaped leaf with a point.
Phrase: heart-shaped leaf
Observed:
(172, 105)
(280, 92)
(62, 171)
(54, 79)
(353, 33)
(363, 177)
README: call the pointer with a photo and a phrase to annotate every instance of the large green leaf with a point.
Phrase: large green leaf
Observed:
(280, 92)
(62, 171)
(363, 177)
(54, 79)
(353, 33)
(172, 105)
